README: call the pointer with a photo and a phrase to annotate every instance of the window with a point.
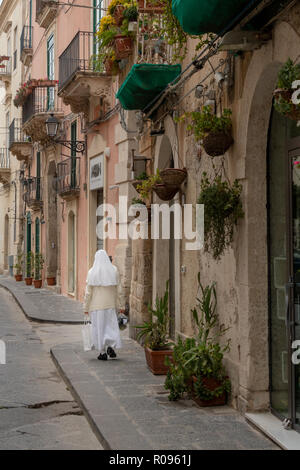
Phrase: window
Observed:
(96, 22)
(38, 176)
(15, 47)
(50, 71)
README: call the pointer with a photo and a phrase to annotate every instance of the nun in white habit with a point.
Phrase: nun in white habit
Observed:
(100, 302)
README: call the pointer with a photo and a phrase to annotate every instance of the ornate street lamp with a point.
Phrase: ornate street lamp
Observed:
(52, 125)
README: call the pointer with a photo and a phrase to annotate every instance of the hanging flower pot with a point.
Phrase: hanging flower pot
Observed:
(284, 105)
(164, 192)
(150, 6)
(118, 14)
(173, 176)
(123, 46)
(217, 143)
(111, 67)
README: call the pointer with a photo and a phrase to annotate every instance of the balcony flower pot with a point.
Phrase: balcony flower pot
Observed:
(38, 283)
(150, 6)
(156, 360)
(111, 67)
(217, 143)
(51, 281)
(118, 14)
(18, 277)
(123, 46)
(210, 384)
(164, 192)
(173, 176)
(28, 281)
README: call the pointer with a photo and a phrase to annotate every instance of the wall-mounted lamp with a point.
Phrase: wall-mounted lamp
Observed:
(52, 124)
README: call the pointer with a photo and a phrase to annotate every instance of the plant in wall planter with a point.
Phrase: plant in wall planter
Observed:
(223, 209)
(283, 93)
(29, 268)
(213, 131)
(198, 362)
(38, 267)
(19, 267)
(155, 335)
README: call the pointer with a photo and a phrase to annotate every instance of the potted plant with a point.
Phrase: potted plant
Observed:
(283, 93)
(223, 209)
(38, 266)
(29, 268)
(198, 362)
(215, 132)
(51, 281)
(151, 6)
(19, 267)
(110, 63)
(165, 191)
(155, 335)
(145, 183)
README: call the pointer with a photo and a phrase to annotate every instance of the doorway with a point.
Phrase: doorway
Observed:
(71, 253)
(284, 266)
(6, 241)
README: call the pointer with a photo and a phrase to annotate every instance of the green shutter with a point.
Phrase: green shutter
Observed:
(37, 235)
(73, 154)
(38, 176)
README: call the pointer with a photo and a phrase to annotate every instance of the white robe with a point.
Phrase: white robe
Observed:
(105, 330)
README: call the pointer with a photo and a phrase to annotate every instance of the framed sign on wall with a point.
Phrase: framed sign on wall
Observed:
(97, 172)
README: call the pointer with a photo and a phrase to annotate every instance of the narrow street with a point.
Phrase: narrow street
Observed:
(36, 409)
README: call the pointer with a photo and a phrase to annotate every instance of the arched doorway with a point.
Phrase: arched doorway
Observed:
(51, 225)
(71, 253)
(166, 252)
(6, 241)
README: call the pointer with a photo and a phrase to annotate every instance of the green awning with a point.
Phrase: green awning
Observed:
(144, 83)
(212, 16)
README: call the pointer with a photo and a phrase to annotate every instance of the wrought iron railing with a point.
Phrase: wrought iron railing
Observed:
(68, 176)
(5, 67)
(4, 158)
(16, 133)
(26, 38)
(33, 191)
(78, 56)
(41, 100)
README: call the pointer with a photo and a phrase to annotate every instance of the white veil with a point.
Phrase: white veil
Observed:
(103, 273)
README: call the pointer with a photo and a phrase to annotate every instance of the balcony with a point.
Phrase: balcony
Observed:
(42, 102)
(19, 143)
(26, 45)
(5, 69)
(46, 11)
(33, 193)
(78, 79)
(68, 178)
(4, 166)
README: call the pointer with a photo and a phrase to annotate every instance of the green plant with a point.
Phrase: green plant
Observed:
(142, 177)
(283, 104)
(19, 264)
(202, 356)
(29, 264)
(222, 210)
(173, 32)
(146, 186)
(136, 200)
(204, 122)
(155, 331)
(288, 74)
(38, 266)
(131, 12)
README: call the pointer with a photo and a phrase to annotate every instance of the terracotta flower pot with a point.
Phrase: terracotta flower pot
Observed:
(28, 281)
(123, 46)
(217, 143)
(156, 360)
(150, 6)
(110, 67)
(51, 281)
(211, 384)
(18, 277)
(38, 283)
(173, 176)
(165, 193)
(118, 14)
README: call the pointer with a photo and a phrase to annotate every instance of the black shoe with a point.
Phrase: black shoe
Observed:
(111, 353)
(102, 357)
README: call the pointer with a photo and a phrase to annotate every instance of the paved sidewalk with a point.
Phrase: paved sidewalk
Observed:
(43, 305)
(128, 407)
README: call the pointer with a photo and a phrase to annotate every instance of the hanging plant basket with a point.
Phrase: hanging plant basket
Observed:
(283, 100)
(123, 46)
(111, 67)
(217, 143)
(164, 192)
(150, 6)
(173, 176)
(118, 14)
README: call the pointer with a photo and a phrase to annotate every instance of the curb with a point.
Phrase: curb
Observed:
(36, 319)
(77, 398)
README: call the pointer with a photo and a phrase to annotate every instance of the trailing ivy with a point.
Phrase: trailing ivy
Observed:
(222, 210)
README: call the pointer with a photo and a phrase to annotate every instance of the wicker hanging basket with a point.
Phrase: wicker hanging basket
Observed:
(173, 176)
(164, 192)
(217, 143)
